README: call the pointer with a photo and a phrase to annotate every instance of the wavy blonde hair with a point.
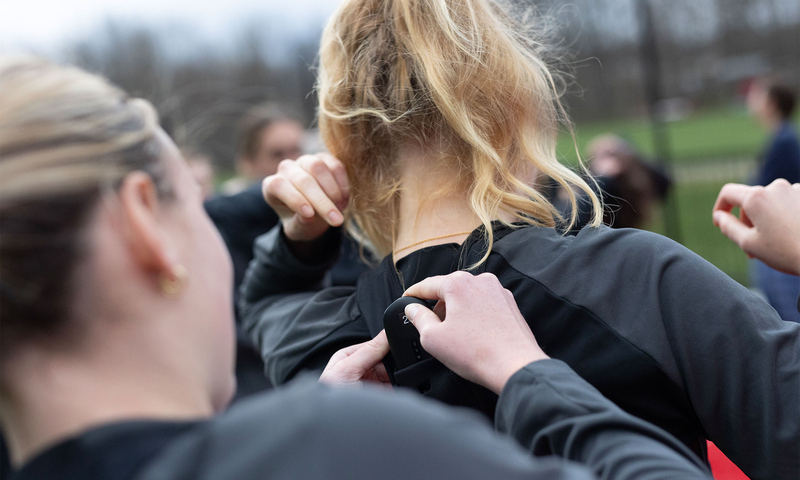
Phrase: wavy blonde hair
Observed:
(453, 74)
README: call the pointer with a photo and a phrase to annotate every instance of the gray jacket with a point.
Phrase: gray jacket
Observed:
(309, 431)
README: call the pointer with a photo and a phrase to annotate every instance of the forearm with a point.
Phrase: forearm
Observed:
(282, 308)
(550, 410)
(280, 266)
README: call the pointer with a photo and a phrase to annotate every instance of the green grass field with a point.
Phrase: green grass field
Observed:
(715, 133)
(706, 136)
(698, 233)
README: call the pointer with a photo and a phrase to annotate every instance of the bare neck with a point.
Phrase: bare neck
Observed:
(424, 215)
(49, 397)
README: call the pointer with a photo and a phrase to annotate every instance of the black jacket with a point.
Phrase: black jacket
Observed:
(309, 431)
(657, 329)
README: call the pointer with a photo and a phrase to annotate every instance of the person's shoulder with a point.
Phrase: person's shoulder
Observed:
(308, 430)
(591, 242)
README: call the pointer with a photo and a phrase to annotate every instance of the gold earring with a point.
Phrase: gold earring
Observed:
(173, 284)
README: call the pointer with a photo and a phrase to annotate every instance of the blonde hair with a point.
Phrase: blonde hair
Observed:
(66, 136)
(452, 73)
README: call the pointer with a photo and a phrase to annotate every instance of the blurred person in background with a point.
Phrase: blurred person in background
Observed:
(117, 337)
(266, 135)
(202, 169)
(773, 103)
(631, 187)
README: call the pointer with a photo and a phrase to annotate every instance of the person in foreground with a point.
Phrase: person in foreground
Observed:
(443, 115)
(117, 334)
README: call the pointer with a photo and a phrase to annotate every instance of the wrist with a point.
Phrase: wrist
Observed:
(317, 250)
(497, 382)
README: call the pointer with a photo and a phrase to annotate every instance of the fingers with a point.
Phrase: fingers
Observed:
(428, 288)
(339, 172)
(421, 317)
(358, 363)
(442, 286)
(381, 374)
(281, 195)
(732, 195)
(308, 186)
(733, 228)
(330, 174)
(368, 354)
(313, 185)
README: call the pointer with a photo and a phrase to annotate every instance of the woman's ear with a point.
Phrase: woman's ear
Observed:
(140, 206)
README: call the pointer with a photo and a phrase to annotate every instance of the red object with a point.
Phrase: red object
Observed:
(721, 467)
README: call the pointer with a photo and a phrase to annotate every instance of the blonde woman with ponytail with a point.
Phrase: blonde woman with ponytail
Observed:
(441, 117)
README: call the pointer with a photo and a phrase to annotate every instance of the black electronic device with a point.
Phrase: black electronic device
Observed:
(403, 337)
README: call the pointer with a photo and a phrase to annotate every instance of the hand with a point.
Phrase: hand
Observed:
(308, 194)
(357, 364)
(768, 227)
(481, 334)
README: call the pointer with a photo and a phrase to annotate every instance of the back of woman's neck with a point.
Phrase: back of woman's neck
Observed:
(432, 210)
(423, 224)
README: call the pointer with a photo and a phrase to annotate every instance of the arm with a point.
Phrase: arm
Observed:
(296, 325)
(737, 361)
(545, 406)
(576, 432)
(550, 410)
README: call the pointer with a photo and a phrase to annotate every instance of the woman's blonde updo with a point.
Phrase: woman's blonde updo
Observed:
(458, 76)
(66, 137)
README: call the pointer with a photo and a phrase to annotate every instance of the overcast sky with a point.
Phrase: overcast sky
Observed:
(43, 24)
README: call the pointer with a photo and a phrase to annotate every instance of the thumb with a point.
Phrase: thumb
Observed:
(369, 353)
(421, 316)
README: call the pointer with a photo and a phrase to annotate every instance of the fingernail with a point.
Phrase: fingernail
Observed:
(335, 217)
(717, 216)
(307, 211)
(411, 310)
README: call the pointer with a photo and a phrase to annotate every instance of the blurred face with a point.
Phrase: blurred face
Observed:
(759, 104)
(279, 141)
(605, 158)
(206, 298)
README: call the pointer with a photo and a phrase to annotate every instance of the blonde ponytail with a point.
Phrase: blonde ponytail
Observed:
(456, 73)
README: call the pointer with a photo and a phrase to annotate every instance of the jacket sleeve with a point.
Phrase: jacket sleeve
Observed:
(550, 410)
(312, 431)
(738, 362)
(296, 324)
